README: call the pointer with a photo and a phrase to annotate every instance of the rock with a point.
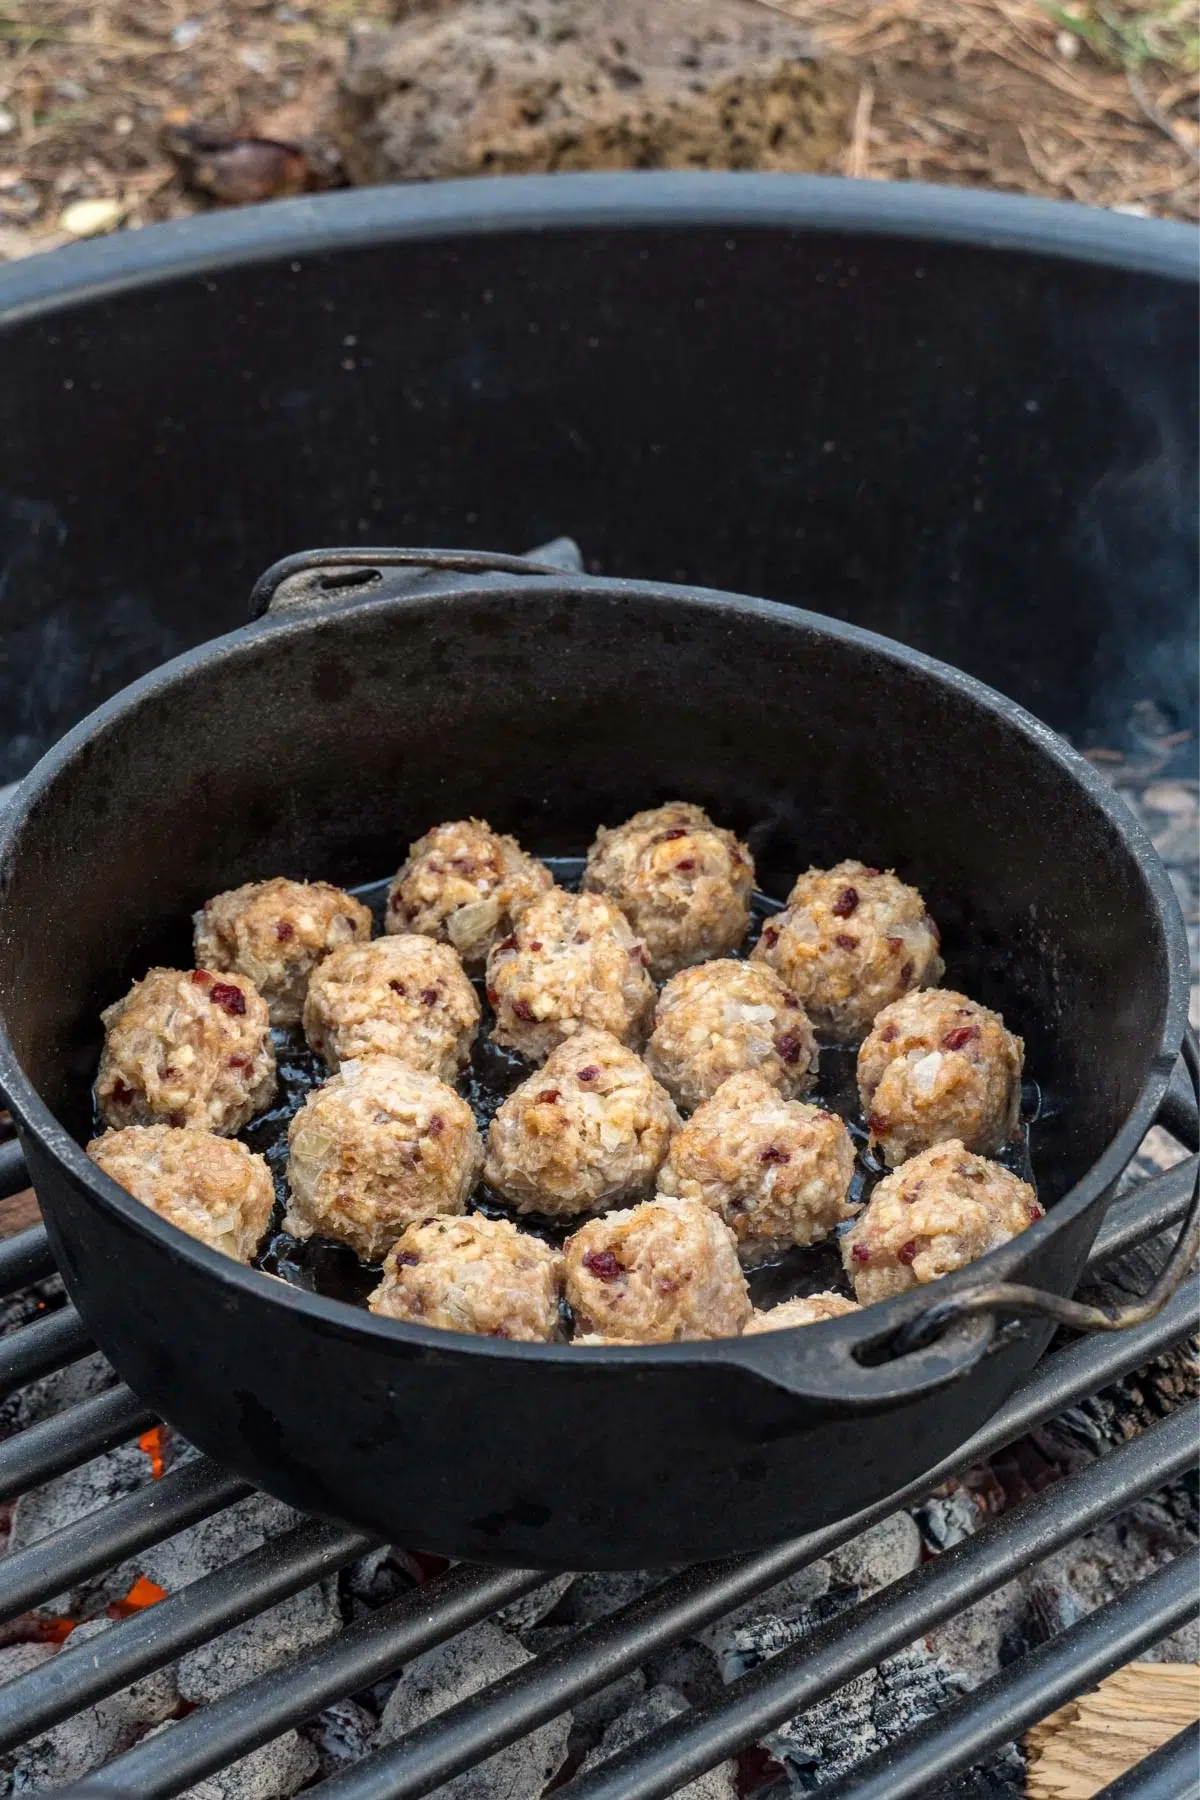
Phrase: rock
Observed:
(448, 1674)
(655, 1709)
(486, 87)
(81, 1743)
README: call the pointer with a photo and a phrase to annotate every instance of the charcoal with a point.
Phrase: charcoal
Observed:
(599, 1592)
(274, 1771)
(655, 1709)
(87, 1489)
(82, 1743)
(341, 1734)
(374, 1582)
(878, 1557)
(868, 1713)
(595, 1712)
(768, 1624)
(531, 1609)
(690, 1668)
(442, 1677)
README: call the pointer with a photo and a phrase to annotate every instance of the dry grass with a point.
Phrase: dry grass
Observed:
(1092, 102)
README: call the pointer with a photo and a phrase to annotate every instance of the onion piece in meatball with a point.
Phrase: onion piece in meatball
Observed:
(466, 885)
(942, 1210)
(474, 1274)
(683, 883)
(571, 960)
(211, 1187)
(938, 1066)
(723, 1018)
(589, 1130)
(811, 1309)
(380, 1145)
(187, 1047)
(276, 932)
(665, 1271)
(849, 942)
(399, 996)
(777, 1171)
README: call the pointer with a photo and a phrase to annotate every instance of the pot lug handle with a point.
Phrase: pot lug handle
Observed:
(1031, 1302)
(337, 570)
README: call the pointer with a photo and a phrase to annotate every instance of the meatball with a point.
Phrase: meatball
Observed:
(213, 1188)
(381, 1144)
(683, 883)
(465, 884)
(938, 1213)
(667, 1270)
(473, 1274)
(938, 1066)
(850, 941)
(571, 960)
(777, 1171)
(588, 1130)
(187, 1047)
(399, 996)
(813, 1309)
(721, 1019)
(276, 932)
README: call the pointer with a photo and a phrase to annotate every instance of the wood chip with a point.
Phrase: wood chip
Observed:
(1084, 1746)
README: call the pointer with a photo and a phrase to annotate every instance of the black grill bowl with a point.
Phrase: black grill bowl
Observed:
(320, 745)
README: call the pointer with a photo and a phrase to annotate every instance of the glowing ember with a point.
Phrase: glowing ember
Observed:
(143, 1593)
(151, 1445)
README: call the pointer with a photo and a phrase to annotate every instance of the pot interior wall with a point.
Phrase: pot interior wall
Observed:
(321, 750)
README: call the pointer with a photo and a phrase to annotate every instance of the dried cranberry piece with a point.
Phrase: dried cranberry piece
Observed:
(846, 940)
(121, 1094)
(1035, 1212)
(877, 1124)
(869, 870)
(397, 987)
(523, 1010)
(889, 1034)
(234, 1062)
(437, 1125)
(846, 903)
(913, 1192)
(590, 1073)
(284, 931)
(860, 1253)
(603, 1265)
(770, 936)
(822, 1114)
(406, 1259)
(789, 1046)
(535, 946)
(201, 977)
(500, 1331)
(508, 943)
(791, 1002)
(548, 1096)
(229, 998)
(895, 945)
(773, 1154)
(676, 831)
(907, 1252)
(462, 864)
(686, 866)
(493, 997)
(429, 996)
(962, 1034)
(906, 973)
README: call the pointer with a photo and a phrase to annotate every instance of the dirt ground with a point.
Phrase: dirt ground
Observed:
(1091, 102)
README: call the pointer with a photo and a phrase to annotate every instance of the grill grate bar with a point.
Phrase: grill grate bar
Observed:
(13, 1175)
(71, 1437)
(366, 1651)
(24, 1258)
(1021, 1694)
(1150, 1209)
(836, 1652)
(1168, 1774)
(41, 1348)
(150, 1639)
(104, 1538)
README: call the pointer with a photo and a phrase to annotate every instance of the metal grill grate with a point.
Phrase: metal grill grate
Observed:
(376, 1645)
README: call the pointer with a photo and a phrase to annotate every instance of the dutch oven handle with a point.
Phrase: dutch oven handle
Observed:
(350, 568)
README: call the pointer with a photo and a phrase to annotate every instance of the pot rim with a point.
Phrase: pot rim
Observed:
(747, 1354)
(489, 205)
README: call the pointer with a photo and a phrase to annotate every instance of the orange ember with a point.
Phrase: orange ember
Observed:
(55, 1630)
(144, 1592)
(151, 1443)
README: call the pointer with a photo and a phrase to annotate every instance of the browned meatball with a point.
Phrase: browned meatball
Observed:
(664, 1271)
(722, 1018)
(211, 1187)
(474, 1274)
(276, 932)
(851, 940)
(400, 996)
(777, 1171)
(941, 1211)
(683, 883)
(465, 884)
(588, 1130)
(187, 1047)
(571, 960)
(938, 1066)
(380, 1145)
(812, 1309)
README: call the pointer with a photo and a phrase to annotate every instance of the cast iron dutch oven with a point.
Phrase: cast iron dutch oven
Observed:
(318, 741)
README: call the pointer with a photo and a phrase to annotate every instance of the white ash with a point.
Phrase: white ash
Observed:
(776, 1617)
(975, 1643)
(654, 1710)
(876, 1558)
(340, 1735)
(946, 1518)
(274, 1771)
(593, 1714)
(69, 1751)
(444, 1676)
